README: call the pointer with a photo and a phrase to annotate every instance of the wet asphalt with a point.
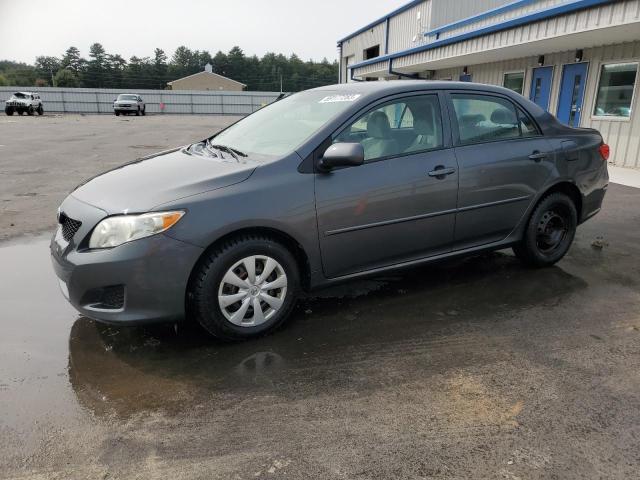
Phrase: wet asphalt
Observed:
(473, 368)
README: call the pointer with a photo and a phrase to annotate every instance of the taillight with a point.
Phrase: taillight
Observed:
(604, 151)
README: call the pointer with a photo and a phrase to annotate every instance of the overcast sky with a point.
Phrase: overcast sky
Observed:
(136, 27)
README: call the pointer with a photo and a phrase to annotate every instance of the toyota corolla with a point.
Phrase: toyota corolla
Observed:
(325, 186)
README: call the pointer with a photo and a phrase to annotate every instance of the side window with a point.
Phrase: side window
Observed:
(527, 127)
(403, 126)
(483, 118)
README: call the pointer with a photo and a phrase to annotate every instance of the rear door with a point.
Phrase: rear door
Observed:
(504, 161)
(399, 205)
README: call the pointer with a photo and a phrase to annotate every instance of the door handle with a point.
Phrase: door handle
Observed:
(537, 156)
(440, 172)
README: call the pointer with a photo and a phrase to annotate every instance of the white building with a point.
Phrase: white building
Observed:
(576, 58)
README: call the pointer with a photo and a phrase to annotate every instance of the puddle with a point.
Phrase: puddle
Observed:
(48, 347)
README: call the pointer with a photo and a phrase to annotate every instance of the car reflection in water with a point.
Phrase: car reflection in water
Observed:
(438, 317)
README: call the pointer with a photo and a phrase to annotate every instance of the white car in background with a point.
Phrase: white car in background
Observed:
(22, 102)
(129, 103)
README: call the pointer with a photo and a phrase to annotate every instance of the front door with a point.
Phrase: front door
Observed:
(541, 86)
(574, 78)
(398, 206)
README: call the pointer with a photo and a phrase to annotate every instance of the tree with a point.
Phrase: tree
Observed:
(72, 60)
(112, 70)
(160, 68)
(65, 78)
(96, 73)
(47, 67)
(3, 81)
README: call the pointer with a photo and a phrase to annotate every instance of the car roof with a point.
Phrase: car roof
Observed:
(399, 86)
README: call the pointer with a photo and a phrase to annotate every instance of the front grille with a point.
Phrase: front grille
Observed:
(69, 226)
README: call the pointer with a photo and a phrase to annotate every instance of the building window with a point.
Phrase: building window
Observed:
(615, 90)
(514, 81)
(372, 52)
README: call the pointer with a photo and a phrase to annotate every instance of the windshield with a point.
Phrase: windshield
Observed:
(127, 97)
(19, 95)
(284, 125)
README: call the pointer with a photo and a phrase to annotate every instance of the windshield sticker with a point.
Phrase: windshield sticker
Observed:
(341, 98)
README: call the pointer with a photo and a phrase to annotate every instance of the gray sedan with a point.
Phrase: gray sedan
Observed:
(321, 187)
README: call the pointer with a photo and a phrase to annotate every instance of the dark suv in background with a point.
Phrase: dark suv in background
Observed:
(320, 187)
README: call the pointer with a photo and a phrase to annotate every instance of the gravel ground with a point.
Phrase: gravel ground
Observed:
(43, 158)
(474, 368)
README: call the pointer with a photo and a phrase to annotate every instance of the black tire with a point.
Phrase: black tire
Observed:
(549, 232)
(144, 111)
(8, 111)
(40, 109)
(138, 112)
(203, 305)
(30, 110)
(117, 113)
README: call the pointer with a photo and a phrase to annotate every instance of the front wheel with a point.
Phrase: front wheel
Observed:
(117, 113)
(144, 111)
(138, 112)
(40, 110)
(30, 110)
(549, 232)
(244, 288)
(8, 111)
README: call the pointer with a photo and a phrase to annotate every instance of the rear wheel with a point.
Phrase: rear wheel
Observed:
(245, 288)
(549, 232)
(30, 110)
(138, 112)
(8, 111)
(117, 113)
(144, 110)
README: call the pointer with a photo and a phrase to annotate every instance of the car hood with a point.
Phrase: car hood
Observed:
(141, 185)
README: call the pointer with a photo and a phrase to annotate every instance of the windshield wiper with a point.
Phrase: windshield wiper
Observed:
(235, 153)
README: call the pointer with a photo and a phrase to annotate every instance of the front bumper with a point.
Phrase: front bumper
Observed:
(145, 280)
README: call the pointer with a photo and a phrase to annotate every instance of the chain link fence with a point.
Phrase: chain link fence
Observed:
(100, 100)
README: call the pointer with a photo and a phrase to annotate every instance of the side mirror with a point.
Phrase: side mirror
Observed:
(342, 155)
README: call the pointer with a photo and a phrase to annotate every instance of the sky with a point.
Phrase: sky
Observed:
(137, 27)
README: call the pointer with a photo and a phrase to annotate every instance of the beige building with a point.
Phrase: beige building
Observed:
(206, 80)
(578, 59)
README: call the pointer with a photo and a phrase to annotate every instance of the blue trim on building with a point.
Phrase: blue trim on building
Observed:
(514, 22)
(398, 10)
(479, 16)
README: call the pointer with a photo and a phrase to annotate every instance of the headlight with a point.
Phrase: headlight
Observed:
(119, 229)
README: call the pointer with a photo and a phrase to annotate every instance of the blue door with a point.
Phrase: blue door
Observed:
(574, 77)
(541, 86)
